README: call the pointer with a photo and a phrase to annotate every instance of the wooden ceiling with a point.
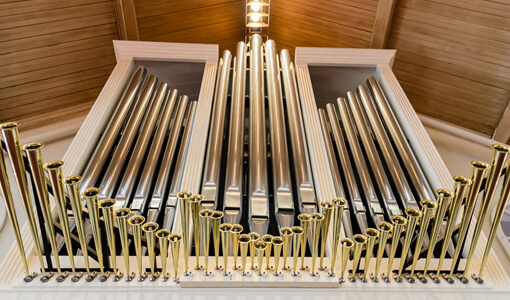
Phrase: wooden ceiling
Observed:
(452, 57)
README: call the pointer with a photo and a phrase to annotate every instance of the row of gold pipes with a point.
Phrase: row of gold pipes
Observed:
(205, 221)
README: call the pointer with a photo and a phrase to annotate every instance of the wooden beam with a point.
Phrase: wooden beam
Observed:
(382, 23)
(126, 20)
(502, 132)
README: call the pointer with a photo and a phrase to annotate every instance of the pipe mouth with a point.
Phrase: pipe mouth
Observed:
(413, 213)
(54, 164)
(462, 180)
(237, 228)
(384, 226)
(398, 220)
(245, 238)
(327, 205)
(254, 236)
(91, 192)
(136, 220)
(286, 231)
(297, 229)
(371, 232)
(444, 193)
(74, 179)
(428, 204)
(150, 227)
(267, 238)
(122, 212)
(500, 148)
(347, 243)
(304, 217)
(217, 214)
(184, 194)
(480, 165)
(339, 201)
(260, 245)
(33, 146)
(225, 227)
(174, 237)
(163, 233)
(277, 240)
(8, 125)
(196, 198)
(206, 213)
(107, 203)
(359, 239)
(317, 216)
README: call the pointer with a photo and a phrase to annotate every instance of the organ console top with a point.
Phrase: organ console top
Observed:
(312, 173)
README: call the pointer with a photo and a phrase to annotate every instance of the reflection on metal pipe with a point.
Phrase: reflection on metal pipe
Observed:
(122, 215)
(106, 206)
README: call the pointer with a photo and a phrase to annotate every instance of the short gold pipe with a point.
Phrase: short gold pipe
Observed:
(477, 174)
(359, 243)
(304, 220)
(225, 230)
(216, 220)
(90, 194)
(235, 233)
(162, 236)
(286, 233)
(461, 186)
(12, 142)
(244, 243)
(338, 212)
(184, 209)
(297, 234)
(254, 237)
(372, 234)
(384, 229)
(428, 208)
(316, 221)
(443, 199)
(150, 229)
(326, 209)
(399, 224)
(205, 225)
(195, 202)
(267, 239)
(122, 215)
(175, 246)
(346, 245)
(413, 216)
(136, 227)
(106, 206)
(34, 156)
(499, 159)
(261, 249)
(277, 242)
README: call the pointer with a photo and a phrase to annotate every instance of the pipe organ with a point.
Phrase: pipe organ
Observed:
(251, 170)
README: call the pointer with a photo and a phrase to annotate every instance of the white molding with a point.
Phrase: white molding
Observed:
(347, 57)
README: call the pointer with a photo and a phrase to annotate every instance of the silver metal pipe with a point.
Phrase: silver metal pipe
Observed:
(211, 178)
(104, 146)
(232, 201)
(258, 193)
(302, 169)
(136, 159)
(418, 179)
(389, 202)
(121, 155)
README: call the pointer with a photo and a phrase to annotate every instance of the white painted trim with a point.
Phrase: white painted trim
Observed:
(347, 57)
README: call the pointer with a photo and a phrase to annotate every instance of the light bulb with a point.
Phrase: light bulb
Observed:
(255, 17)
(255, 6)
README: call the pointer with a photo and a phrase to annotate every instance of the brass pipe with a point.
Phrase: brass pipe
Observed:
(428, 208)
(297, 233)
(384, 229)
(413, 216)
(304, 220)
(90, 194)
(225, 230)
(326, 209)
(372, 234)
(175, 245)
(286, 233)
(443, 199)
(122, 215)
(338, 211)
(244, 243)
(136, 222)
(162, 236)
(267, 239)
(184, 209)
(254, 237)
(106, 206)
(277, 242)
(359, 243)
(499, 159)
(261, 249)
(216, 220)
(235, 233)
(150, 229)
(347, 245)
(195, 202)
(399, 224)
(316, 221)
(12, 142)
(34, 156)
(205, 225)
(477, 174)
(5, 189)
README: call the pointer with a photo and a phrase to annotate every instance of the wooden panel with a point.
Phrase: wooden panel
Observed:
(452, 59)
(55, 57)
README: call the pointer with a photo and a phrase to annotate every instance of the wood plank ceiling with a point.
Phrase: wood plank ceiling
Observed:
(452, 57)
